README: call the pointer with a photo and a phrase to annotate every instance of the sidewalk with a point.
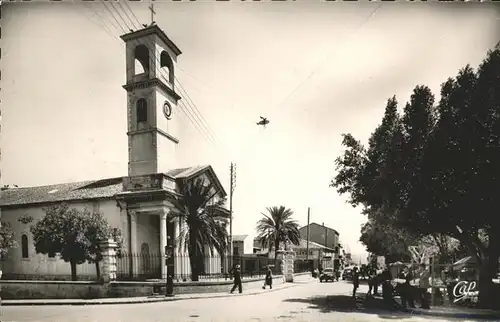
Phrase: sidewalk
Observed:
(149, 299)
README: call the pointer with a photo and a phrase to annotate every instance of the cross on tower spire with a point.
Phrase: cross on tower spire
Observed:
(153, 12)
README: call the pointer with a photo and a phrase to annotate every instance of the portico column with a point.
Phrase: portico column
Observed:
(134, 269)
(163, 243)
(176, 247)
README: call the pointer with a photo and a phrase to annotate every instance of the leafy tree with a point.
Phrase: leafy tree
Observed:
(202, 229)
(276, 228)
(74, 234)
(99, 229)
(384, 240)
(449, 248)
(7, 240)
(441, 174)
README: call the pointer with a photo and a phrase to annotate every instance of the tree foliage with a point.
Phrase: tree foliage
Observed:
(435, 170)
(74, 234)
(7, 240)
(203, 233)
(277, 227)
(385, 240)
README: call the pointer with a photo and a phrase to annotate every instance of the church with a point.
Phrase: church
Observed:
(140, 204)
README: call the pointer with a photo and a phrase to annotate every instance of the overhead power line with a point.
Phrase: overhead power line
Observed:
(327, 58)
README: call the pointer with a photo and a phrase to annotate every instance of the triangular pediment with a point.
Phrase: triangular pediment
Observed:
(191, 173)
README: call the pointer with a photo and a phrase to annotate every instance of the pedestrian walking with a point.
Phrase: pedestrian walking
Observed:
(385, 278)
(372, 282)
(355, 281)
(423, 286)
(237, 280)
(337, 274)
(405, 289)
(377, 280)
(269, 279)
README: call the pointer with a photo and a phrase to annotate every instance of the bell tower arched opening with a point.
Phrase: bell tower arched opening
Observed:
(141, 60)
(167, 65)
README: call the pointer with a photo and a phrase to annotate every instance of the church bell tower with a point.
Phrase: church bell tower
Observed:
(151, 101)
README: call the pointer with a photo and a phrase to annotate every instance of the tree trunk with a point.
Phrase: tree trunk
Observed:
(194, 254)
(72, 264)
(487, 272)
(98, 270)
(193, 260)
(276, 249)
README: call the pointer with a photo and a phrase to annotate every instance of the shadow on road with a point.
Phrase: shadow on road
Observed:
(346, 304)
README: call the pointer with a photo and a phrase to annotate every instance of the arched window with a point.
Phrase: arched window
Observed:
(166, 61)
(141, 54)
(24, 246)
(142, 110)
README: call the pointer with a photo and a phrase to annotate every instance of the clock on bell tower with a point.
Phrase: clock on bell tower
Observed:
(152, 115)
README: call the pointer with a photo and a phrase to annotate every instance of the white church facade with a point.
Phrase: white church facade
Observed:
(141, 204)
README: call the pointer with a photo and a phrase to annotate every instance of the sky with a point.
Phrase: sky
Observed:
(315, 69)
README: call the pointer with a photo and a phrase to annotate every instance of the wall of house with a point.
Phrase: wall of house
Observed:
(238, 248)
(317, 234)
(301, 253)
(39, 265)
(248, 245)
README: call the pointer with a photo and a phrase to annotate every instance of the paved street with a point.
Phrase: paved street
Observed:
(305, 302)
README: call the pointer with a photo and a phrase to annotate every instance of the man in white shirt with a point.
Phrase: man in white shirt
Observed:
(423, 286)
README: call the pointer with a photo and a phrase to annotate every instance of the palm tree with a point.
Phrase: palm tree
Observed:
(277, 227)
(201, 227)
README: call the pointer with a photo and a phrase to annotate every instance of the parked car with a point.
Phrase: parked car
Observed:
(347, 274)
(327, 275)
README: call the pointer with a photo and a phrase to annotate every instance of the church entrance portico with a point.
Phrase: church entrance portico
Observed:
(153, 234)
(152, 229)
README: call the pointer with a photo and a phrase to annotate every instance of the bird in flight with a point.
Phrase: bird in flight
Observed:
(263, 121)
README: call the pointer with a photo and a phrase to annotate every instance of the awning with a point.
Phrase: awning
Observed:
(466, 261)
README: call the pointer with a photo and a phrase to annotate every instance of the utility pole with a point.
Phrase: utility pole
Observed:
(307, 243)
(326, 235)
(232, 172)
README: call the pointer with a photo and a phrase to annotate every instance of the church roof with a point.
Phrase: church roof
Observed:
(82, 190)
(88, 190)
(239, 237)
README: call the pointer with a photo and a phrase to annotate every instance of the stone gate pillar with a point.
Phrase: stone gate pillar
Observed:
(289, 268)
(108, 251)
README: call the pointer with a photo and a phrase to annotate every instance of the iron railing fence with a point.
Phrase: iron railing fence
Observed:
(143, 267)
(210, 268)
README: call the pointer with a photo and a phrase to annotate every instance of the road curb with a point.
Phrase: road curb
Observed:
(458, 315)
(139, 301)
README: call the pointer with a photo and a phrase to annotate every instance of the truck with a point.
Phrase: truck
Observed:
(328, 268)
